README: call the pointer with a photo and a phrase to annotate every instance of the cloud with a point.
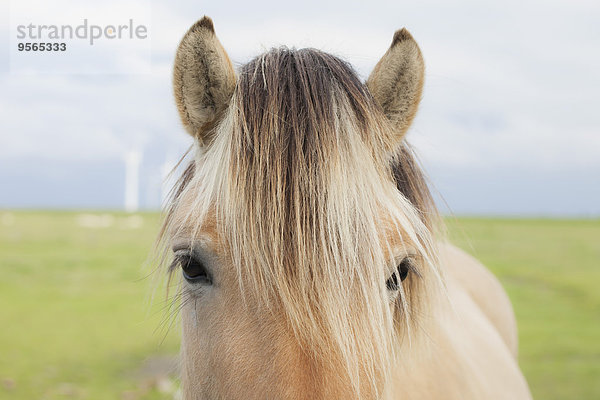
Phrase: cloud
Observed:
(510, 88)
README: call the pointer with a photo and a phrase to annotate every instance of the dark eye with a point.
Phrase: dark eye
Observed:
(193, 270)
(393, 283)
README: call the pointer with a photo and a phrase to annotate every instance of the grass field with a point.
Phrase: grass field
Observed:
(75, 320)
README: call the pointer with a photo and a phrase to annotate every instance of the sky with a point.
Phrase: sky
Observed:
(509, 124)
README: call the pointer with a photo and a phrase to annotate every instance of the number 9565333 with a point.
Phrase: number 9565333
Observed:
(42, 46)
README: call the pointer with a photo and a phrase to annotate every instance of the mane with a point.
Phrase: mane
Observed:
(308, 191)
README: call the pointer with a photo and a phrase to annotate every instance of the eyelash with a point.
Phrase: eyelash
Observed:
(404, 268)
(192, 269)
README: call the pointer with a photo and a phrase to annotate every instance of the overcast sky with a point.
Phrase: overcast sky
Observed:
(509, 123)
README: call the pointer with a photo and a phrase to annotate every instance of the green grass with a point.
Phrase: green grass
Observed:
(74, 308)
(75, 320)
(551, 270)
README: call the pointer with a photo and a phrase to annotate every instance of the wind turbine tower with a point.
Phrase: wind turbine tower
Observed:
(133, 160)
(168, 179)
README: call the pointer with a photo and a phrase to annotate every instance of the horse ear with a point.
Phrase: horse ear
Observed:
(396, 82)
(203, 79)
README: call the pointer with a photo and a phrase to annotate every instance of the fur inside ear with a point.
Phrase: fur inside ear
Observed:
(397, 80)
(203, 79)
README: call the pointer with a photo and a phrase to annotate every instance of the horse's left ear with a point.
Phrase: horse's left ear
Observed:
(396, 82)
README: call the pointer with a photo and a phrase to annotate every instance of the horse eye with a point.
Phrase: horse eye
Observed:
(401, 273)
(193, 270)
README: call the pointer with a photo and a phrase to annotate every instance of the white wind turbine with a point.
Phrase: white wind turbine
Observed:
(133, 159)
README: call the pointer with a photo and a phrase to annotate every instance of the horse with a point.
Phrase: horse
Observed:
(311, 260)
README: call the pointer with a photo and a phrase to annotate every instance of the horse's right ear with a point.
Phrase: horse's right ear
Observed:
(396, 82)
(203, 79)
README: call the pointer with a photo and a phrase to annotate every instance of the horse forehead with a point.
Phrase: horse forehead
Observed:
(207, 232)
(396, 241)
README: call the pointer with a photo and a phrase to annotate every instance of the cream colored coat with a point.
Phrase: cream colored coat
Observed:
(472, 344)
